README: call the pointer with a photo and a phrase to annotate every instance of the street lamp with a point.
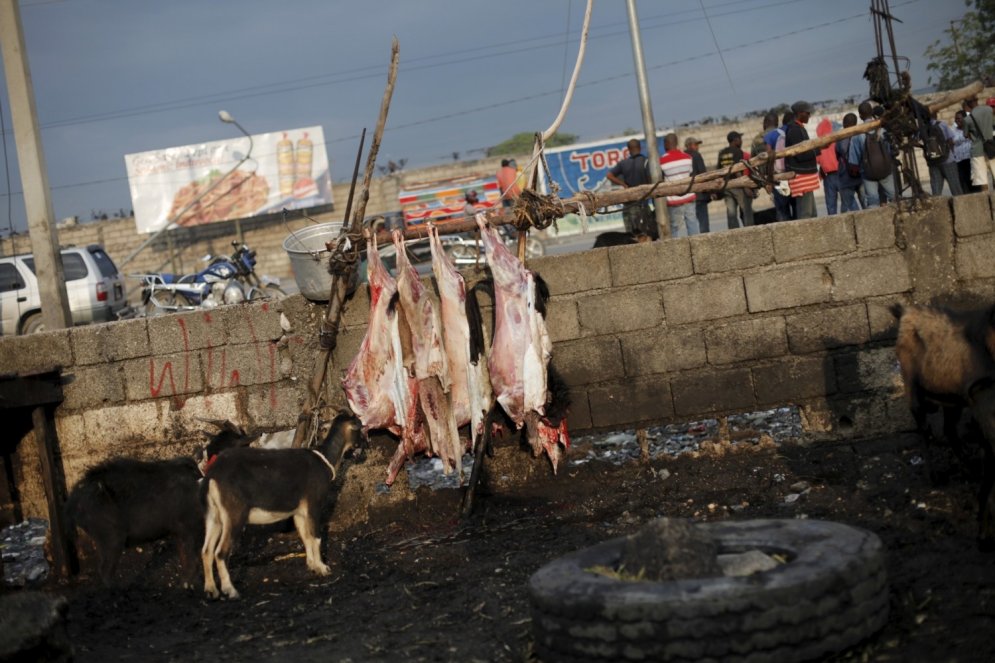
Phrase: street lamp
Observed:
(226, 117)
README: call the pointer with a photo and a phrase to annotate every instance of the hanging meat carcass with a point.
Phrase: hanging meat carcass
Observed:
(470, 390)
(378, 387)
(521, 349)
(428, 362)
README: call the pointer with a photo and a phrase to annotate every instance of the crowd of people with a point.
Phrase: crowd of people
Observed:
(854, 173)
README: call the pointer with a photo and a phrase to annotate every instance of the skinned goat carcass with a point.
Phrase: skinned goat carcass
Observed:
(470, 391)
(428, 362)
(521, 348)
(947, 358)
(378, 387)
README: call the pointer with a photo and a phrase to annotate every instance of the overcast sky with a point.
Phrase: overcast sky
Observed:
(113, 77)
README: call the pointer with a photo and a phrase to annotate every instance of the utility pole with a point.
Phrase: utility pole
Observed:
(649, 126)
(34, 176)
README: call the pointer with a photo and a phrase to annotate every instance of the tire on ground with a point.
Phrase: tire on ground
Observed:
(831, 594)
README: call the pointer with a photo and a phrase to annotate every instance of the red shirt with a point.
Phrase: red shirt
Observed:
(506, 177)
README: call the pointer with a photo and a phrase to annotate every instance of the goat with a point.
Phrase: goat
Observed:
(125, 501)
(947, 358)
(261, 486)
(614, 238)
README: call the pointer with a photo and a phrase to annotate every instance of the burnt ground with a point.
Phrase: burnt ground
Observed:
(416, 584)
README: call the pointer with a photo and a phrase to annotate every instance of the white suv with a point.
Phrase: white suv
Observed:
(95, 289)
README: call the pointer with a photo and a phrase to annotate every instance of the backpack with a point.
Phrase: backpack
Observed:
(876, 162)
(935, 147)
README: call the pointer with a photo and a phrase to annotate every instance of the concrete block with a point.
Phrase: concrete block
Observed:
(875, 228)
(662, 351)
(704, 299)
(579, 414)
(630, 402)
(162, 377)
(274, 406)
(787, 287)
(974, 257)
(589, 360)
(185, 423)
(858, 278)
(812, 238)
(241, 365)
(789, 380)
(562, 320)
(707, 392)
(185, 332)
(574, 273)
(113, 341)
(620, 310)
(250, 322)
(114, 430)
(38, 353)
(882, 323)
(927, 238)
(722, 252)
(972, 215)
(346, 349)
(827, 328)
(868, 370)
(650, 262)
(92, 386)
(747, 339)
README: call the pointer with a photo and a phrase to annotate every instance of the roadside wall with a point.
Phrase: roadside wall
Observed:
(673, 330)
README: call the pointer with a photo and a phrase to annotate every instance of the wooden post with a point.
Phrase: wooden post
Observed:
(63, 554)
(340, 285)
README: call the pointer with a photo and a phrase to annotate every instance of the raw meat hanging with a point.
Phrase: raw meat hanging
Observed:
(470, 391)
(521, 348)
(378, 387)
(428, 362)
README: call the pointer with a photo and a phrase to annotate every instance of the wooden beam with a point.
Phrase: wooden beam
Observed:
(63, 554)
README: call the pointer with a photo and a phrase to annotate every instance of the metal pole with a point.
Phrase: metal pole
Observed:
(649, 126)
(34, 176)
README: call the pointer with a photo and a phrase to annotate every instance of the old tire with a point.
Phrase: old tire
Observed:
(32, 324)
(830, 595)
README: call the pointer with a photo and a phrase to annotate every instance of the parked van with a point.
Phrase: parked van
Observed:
(94, 286)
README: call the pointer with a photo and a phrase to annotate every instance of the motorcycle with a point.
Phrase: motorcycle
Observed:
(225, 280)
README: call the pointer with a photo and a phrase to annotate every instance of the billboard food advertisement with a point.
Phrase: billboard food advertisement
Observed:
(229, 179)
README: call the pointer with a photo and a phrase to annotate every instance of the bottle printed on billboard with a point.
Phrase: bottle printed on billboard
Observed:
(229, 179)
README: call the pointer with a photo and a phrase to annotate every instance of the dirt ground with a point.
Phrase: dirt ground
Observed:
(419, 585)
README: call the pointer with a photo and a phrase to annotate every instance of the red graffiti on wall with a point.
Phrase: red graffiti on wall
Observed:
(155, 388)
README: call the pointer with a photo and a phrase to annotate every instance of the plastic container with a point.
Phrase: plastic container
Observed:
(309, 259)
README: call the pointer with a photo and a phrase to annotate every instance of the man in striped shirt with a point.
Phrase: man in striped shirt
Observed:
(804, 165)
(676, 166)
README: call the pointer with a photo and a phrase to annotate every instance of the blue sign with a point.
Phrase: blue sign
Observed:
(579, 168)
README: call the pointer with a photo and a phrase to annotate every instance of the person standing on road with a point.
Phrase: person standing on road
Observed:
(784, 204)
(736, 200)
(849, 177)
(978, 125)
(829, 166)
(962, 151)
(506, 177)
(676, 167)
(701, 200)
(945, 168)
(804, 165)
(629, 172)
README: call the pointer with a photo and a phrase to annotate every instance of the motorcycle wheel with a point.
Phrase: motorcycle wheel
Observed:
(534, 248)
(269, 291)
(164, 299)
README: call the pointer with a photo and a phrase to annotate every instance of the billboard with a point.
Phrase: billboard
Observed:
(584, 167)
(438, 201)
(225, 179)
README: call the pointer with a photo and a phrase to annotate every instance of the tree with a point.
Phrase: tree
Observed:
(966, 54)
(521, 143)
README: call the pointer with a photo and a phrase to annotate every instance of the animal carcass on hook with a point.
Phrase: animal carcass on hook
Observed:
(470, 390)
(428, 362)
(521, 348)
(377, 386)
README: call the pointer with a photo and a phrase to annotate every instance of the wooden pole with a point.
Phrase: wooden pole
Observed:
(340, 284)
(63, 554)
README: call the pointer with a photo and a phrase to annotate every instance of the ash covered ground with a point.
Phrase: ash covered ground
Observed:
(418, 584)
